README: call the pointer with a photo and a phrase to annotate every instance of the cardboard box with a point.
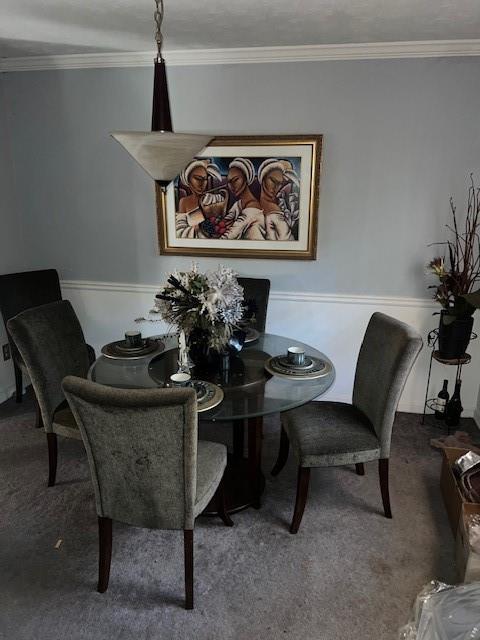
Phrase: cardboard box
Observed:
(452, 495)
(468, 559)
(459, 510)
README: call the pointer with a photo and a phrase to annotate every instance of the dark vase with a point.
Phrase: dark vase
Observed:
(207, 359)
(203, 357)
(453, 337)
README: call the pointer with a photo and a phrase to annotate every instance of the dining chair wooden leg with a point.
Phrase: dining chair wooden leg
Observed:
(282, 453)
(105, 552)
(52, 458)
(301, 499)
(221, 506)
(383, 473)
(18, 383)
(38, 416)
(360, 469)
(188, 553)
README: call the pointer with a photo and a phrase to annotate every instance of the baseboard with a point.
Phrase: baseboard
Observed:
(7, 392)
(476, 417)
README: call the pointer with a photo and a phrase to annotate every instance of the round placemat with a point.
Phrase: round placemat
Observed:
(319, 369)
(201, 390)
(209, 395)
(252, 335)
(212, 397)
(118, 351)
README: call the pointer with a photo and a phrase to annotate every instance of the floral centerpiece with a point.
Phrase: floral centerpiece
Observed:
(458, 273)
(205, 307)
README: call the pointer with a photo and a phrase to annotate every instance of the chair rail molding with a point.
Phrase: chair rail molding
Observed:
(249, 55)
(333, 323)
(287, 296)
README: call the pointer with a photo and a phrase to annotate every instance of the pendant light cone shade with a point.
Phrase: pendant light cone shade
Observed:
(163, 155)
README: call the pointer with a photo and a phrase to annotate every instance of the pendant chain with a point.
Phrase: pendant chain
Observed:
(158, 17)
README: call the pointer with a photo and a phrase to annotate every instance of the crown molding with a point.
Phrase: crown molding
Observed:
(249, 55)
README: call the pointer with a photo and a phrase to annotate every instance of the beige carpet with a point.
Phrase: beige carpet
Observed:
(349, 574)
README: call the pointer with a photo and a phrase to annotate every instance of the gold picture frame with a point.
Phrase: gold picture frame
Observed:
(245, 197)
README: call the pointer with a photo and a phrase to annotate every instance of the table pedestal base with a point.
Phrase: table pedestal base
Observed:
(238, 494)
(243, 481)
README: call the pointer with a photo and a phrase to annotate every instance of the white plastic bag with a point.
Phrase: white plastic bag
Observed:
(443, 612)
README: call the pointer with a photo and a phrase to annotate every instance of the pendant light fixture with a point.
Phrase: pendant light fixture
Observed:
(161, 152)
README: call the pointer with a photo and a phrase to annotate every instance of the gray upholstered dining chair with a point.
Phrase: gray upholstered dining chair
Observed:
(148, 467)
(20, 291)
(52, 345)
(256, 292)
(325, 434)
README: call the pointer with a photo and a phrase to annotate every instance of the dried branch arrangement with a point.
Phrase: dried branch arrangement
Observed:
(459, 276)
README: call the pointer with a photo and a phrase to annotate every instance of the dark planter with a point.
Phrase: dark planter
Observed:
(206, 359)
(453, 338)
(200, 353)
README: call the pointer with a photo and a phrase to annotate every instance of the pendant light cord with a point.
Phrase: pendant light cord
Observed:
(158, 17)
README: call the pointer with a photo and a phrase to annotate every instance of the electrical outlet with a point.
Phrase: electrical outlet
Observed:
(6, 351)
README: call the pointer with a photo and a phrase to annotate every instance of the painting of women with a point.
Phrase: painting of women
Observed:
(244, 196)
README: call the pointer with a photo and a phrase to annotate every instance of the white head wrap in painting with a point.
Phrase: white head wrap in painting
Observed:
(214, 172)
(245, 166)
(285, 166)
(190, 167)
(292, 176)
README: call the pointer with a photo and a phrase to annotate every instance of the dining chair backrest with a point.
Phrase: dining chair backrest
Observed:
(258, 291)
(142, 451)
(388, 352)
(21, 291)
(52, 345)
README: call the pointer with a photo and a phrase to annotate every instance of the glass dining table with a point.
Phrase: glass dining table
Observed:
(250, 393)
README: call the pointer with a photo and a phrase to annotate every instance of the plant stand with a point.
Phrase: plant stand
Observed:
(435, 355)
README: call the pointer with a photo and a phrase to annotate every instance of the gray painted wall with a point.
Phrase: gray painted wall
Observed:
(400, 137)
(12, 255)
(11, 243)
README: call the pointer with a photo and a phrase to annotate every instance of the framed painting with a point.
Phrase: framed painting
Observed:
(246, 197)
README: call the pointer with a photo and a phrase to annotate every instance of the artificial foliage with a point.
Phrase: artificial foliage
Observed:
(207, 303)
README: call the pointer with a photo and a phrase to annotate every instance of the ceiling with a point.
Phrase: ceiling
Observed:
(44, 27)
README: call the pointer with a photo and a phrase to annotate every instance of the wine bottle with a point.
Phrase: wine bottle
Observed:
(454, 407)
(441, 402)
